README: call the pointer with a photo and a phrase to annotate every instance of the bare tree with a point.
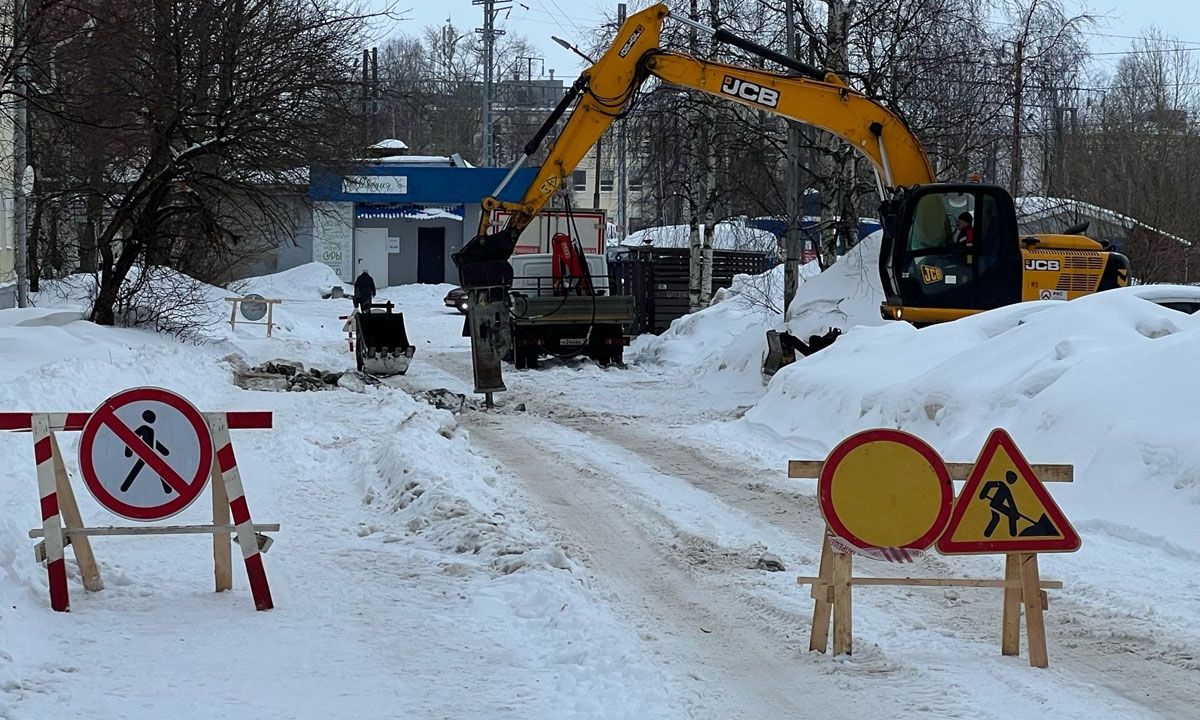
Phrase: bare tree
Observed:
(191, 125)
(1136, 150)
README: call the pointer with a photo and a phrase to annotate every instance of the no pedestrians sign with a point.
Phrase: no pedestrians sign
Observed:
(145, 454)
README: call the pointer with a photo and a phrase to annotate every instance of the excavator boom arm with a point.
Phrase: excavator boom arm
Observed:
(607, 88)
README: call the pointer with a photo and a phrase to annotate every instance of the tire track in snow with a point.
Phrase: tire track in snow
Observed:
(676, 587)
(1156, 676)
(1095, 643)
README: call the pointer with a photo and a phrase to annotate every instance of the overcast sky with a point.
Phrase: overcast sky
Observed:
(537, 20)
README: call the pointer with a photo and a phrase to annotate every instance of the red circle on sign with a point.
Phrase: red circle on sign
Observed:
(186, 489)
(852, 443)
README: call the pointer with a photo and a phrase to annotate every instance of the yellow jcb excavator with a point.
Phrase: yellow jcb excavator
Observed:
(930, 273)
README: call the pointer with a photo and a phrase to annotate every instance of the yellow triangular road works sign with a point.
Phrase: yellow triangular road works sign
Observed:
(1004, 508)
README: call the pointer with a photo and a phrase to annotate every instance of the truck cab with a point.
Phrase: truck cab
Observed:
(566, 316)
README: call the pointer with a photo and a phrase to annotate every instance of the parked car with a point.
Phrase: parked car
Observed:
(457, 298)
(1184, 298)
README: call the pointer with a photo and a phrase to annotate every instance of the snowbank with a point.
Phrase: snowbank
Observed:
(729, 337)
(1106, 382)
(846, 295)
(726, 236)
(306, 282)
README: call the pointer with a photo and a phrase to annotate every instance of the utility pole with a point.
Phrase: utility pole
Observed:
(599, 162)
(1014, 182)
(21, 178)
(622, 162)
(491, 8)
(793, 239)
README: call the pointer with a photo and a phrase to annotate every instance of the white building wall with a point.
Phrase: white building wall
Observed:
(333, 237)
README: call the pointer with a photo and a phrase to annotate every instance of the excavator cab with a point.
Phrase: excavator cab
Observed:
(932, 269)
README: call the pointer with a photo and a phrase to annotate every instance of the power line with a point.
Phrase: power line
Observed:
(568, 17)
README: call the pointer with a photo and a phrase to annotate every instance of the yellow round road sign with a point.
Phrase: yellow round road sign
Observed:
(885, 489)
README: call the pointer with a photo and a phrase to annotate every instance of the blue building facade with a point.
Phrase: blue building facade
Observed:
(401, 220)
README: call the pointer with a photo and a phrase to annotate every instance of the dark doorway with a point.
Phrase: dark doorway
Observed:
(431, 255)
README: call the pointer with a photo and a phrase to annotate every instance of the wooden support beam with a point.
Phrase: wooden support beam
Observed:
(157, 530)
(818, 639)
(935, 582)
(958, 471)
(222, 544)
(1035, 623)
(1010, 630)
(843, 625)
(73, 520)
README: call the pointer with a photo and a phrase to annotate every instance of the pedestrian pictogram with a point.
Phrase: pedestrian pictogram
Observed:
(1005, 508)
(145, 454)
(886, 491)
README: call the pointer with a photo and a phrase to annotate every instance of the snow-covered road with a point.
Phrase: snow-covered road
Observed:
(641, 474)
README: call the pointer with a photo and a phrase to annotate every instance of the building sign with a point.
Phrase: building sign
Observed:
(375, 184)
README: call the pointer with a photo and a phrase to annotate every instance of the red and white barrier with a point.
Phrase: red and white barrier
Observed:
(57, 502)
(56, 563)
(247, 539)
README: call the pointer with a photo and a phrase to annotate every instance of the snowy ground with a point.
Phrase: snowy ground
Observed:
(593, 556)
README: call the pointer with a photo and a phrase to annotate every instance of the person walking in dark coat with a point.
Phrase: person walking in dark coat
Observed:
(364, 291)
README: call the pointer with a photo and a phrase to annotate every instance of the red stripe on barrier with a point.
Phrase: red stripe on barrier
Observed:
(60, 600)
(258, 582)
(225, 459)
(240, 510)
(249, 420)
(41, 450)
(16, 421)
(50, 506)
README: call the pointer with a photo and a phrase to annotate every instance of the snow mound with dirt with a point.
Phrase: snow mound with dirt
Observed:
(1105, 382)
(310, 281)
(727, 338)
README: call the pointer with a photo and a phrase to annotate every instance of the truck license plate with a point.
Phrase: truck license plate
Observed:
(571, 341)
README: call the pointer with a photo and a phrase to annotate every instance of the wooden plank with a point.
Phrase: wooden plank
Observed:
(935, 582)
(222, 543)
(958, 471)
(818, 638)
(843, 625)
(157, 530)
(1035, 622)
(72, 519)
(1010, 629)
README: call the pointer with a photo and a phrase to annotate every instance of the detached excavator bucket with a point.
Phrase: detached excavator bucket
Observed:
(382, 347)
(783, 348)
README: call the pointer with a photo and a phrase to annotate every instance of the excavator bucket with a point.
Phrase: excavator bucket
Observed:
(382, 347)
(483, 262)
(783, 348)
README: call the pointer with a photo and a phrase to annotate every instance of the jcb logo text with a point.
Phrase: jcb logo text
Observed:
(1042, 265)
(749, 91)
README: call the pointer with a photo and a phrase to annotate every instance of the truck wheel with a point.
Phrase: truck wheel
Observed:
(533, 357)
(519, 357)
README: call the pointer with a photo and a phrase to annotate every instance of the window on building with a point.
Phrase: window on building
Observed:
(579, 180)
(635, 183)
(606, 181)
